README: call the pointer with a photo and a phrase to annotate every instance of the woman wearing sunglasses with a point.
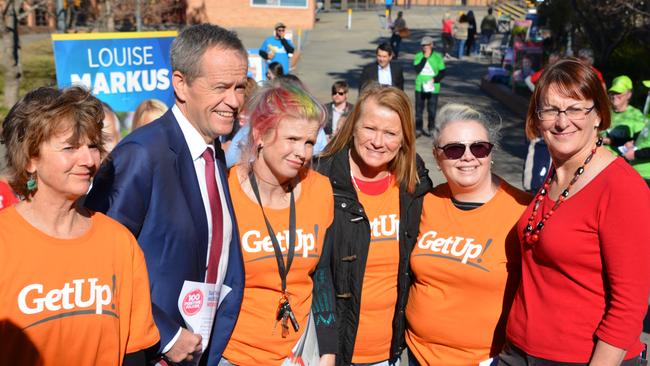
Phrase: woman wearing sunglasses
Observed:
(465, 263)
(378, 183)
(585, 239)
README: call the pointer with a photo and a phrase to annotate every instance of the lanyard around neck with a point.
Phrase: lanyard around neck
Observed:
(282, 269)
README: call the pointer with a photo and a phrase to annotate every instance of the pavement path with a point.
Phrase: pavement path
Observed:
(331, 52)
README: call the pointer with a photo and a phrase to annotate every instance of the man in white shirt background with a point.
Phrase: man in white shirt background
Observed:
(384, 71)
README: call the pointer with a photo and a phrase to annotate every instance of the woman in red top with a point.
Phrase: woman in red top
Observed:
(447, 34)
(585, 238)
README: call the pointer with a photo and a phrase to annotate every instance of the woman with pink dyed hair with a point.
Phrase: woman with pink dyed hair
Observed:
(283, 209)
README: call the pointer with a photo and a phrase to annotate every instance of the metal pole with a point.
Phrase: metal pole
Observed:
(138, 15)
(387, 14)
(60, 16)
(349, 18)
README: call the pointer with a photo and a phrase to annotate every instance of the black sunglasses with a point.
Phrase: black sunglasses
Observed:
(339, 93)
(456, 150)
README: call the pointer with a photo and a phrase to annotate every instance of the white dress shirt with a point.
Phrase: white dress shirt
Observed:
(383, 75)
(197, 146)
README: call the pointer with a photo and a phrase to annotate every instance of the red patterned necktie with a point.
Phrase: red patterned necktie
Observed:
(216, 217)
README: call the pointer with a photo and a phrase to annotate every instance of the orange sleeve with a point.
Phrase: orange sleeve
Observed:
(143, 332)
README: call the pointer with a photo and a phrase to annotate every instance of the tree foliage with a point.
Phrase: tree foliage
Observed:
(603, 24)
(10, 64)
(608, 23)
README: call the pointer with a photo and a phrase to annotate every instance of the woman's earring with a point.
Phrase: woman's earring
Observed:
(32, 184)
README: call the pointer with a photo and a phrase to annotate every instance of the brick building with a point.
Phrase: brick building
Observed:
(297, 14)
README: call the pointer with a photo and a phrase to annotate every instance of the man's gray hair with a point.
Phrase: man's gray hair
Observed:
(455, 112)
(192, 42)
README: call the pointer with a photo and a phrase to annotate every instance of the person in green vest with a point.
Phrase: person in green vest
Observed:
(430, 69)
(638, 152)
(627, 121)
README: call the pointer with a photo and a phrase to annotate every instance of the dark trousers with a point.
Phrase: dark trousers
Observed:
(513, 356)
(487, 36)
(395, 42)
(447, 43)
(469, 45)
(431, 100)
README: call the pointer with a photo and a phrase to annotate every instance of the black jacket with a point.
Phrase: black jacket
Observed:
(329, 129)
(351, 237)
(370, 74)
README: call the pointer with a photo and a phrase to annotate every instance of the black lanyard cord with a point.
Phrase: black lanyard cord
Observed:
(282, 270)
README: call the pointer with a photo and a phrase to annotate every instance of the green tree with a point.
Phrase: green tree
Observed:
(10, 64)
(602, 24)
(608, 23)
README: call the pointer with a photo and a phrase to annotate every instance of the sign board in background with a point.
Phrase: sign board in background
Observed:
(256, 65)
(121, 69)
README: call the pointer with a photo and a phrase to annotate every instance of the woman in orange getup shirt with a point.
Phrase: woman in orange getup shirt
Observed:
(465, 263)
(379, 183)
(283, 209)
(74, 288)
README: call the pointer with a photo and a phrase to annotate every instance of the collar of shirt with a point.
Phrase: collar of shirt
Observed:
(384, 76)
(387, 68)
(193, 138)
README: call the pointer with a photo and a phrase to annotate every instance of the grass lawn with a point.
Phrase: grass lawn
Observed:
(38, 68)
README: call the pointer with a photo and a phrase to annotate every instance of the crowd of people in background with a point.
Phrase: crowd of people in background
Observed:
(304, 232)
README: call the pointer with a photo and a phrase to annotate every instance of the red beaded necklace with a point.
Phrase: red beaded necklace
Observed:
(531, 232)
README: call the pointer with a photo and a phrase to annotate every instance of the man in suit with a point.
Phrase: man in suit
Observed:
(338, 109)
(164, 183)
(384, 71)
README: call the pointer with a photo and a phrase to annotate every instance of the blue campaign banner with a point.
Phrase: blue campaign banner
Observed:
(121, 69)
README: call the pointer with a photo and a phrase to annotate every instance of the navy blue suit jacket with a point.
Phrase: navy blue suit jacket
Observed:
(148, 183)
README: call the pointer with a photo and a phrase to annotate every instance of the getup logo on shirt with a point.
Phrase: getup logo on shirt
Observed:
(384, 227)
(455, 248)
(77, 297)
(255, 241)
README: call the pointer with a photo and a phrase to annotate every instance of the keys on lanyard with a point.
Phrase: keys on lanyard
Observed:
(285, 314)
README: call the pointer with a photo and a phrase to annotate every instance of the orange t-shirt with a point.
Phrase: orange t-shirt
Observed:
(82, 301)
(460, 265)
(379, 289)
(257, 337)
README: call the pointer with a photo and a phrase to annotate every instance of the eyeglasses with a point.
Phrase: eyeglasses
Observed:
(339, 93)
(572, 113)
(280, 30)
(456, 150)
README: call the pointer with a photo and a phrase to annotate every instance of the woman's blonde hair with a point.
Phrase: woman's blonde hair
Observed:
(149, 105)
(403, 165)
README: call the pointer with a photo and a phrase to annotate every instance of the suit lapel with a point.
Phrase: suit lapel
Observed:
(190, 187)
(393, 74)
